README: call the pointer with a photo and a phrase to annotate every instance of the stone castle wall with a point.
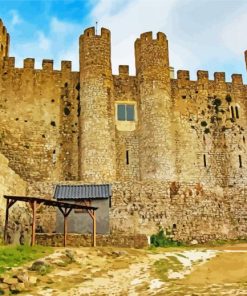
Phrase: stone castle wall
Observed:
(60, 125)
(186, 211)
(39, 119)
(13, 184)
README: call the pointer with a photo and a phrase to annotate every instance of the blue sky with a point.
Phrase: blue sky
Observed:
(203, 34)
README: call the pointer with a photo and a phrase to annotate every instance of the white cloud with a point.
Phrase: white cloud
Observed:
(234, 34)
(194, 29)
(43, 42)
(127, 22)
(15, 18)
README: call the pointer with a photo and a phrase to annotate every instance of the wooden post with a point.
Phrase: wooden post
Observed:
(65, 230)
(65, 213)
(33, 206)
(6, 221)
(93, 216)
(94, 229)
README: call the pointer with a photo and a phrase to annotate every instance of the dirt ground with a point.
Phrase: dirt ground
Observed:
(116, 271)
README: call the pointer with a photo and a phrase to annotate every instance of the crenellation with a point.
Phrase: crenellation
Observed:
(237, 79)
(47, 65)
(123, 70)
(66, 66)
(9, 63)
(183, 75)
(202, 75)
(219, 77)
(29, 63)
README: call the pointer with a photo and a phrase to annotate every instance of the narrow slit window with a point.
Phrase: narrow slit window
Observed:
(240, 161)
(127, 156)
(236, 111)
(232, 112)
(204, 160)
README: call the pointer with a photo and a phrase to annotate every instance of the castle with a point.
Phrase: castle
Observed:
(173, 149)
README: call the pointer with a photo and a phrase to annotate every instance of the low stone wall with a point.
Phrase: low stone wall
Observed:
(85, 240)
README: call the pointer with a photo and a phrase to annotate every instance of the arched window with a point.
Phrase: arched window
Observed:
(234, 112)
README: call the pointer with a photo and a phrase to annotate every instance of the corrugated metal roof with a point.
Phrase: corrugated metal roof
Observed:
(82, 191)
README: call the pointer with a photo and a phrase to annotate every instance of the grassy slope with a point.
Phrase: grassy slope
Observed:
(12, 256)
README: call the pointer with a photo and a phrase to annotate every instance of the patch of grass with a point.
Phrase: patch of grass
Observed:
(162, 267)
(12, 256)
(161, 240)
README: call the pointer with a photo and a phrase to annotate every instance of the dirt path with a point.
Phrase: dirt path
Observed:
(109, 271)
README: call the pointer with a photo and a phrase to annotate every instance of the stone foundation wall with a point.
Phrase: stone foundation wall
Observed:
(78, 240)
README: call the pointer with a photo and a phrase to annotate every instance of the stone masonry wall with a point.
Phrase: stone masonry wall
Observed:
(19, 218)
(76, 240)
(38, 120)
(186, 210)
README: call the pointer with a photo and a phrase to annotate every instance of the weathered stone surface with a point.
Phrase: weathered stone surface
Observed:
(10, 281)
(179, 165)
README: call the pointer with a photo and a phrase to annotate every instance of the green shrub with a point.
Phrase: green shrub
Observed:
(161, 240)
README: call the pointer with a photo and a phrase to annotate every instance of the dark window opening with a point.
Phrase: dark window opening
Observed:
(236, 110)
(240, 161)
(125, 112)
(127, 156)
(204, 161)
(232, 112)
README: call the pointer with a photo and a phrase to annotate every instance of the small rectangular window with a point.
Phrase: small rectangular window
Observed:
(236, 110)
(204, 160)
(130, 112)
(232, 112)
(240, 161)
(121, 112)
(126, 112)
(127, 156)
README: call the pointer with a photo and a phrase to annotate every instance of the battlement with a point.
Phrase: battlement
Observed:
(148, 36)
(237, 79)
(29, 63)
(91, 32)
(219, 77)
(202, 75)
(123, 70)
(9, 62)
(183, 75)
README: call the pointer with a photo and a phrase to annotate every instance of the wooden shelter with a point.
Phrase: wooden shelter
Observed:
(64, 207)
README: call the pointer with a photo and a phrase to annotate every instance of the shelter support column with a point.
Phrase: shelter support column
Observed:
(33, 205)
(92, 214)
(65, 213)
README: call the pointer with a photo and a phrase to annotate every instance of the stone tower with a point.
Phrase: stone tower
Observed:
(153, 74)
(4, 41)
(96, 139)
